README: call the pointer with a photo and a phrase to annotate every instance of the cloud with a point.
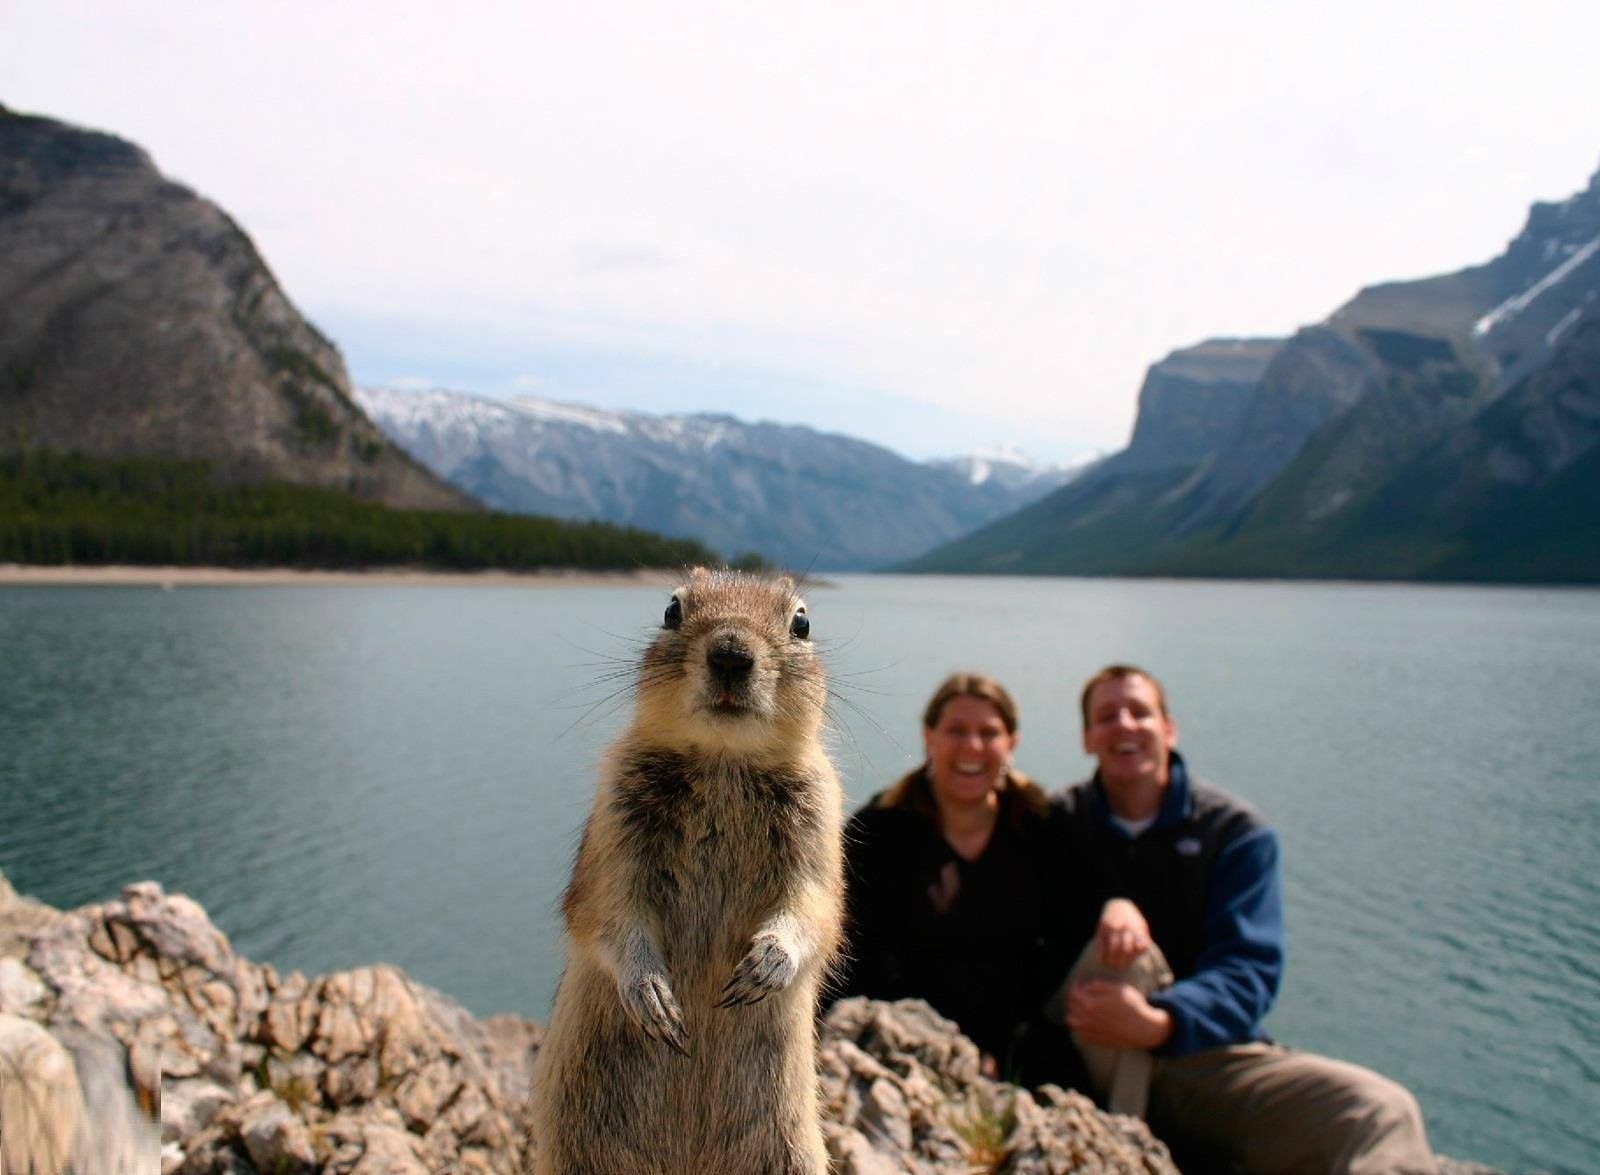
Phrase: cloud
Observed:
(619, 259)
(1006, 211)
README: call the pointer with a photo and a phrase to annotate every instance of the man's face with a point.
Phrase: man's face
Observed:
(1128, 733)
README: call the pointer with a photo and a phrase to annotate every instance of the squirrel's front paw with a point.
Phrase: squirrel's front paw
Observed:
(768, 967)
(649, 1000)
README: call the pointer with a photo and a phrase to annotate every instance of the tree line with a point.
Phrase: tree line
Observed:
(67, 508)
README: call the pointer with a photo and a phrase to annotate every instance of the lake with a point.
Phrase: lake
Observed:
(343, 775)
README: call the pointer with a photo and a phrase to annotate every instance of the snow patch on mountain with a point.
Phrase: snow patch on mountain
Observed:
(1513, 306)
(578, 414)
(1560, 328)
(1007, 465)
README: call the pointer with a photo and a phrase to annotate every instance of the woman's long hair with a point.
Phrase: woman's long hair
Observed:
(1019, 795)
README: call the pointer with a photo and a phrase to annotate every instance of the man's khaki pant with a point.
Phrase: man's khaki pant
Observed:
(1256, 1107)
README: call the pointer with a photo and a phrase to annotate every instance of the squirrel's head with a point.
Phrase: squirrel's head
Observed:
(732, 668)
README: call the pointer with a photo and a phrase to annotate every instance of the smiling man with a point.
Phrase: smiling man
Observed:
(1166, 1004)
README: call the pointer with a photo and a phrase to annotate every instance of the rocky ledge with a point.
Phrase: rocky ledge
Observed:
(134, 1039)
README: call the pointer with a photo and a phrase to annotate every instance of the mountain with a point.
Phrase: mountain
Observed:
(1509, 493)
(1007, 468)
(798, 497)
(1192, 404)
(138, 320)
(1439, 428)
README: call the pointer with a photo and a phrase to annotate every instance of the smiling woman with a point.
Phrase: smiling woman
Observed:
(951, 884)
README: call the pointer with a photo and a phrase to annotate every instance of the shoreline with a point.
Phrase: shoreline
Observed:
(70, 575)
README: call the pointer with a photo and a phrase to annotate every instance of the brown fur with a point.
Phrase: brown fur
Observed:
(703, 910)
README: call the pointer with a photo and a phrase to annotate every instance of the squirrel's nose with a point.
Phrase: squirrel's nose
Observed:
(729, 660)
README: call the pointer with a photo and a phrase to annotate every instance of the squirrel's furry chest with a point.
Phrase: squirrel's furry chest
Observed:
(717, 844)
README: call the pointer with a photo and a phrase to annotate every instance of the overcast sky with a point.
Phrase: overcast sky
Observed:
(938, 226)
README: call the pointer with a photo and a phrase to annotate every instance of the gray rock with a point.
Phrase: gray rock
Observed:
(901, 1080)
(1063, 1132)
(851, 1153)
(22, 992)
(1449, 1166)
(189, 1105)
(363, 1071)
(274, 1136)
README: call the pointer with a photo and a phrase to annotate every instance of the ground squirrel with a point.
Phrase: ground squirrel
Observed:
(704, 907)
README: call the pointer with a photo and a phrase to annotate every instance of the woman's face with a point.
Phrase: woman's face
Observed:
(968, 750)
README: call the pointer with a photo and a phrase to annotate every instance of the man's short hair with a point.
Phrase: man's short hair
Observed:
(1114, 673)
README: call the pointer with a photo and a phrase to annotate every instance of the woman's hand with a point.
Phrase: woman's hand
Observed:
(1122, 935)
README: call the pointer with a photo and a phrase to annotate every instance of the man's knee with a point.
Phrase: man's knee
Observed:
(1394, 1117)
(1147, 973)
(1383, 1131)
(1399, 1104)
(1268, 1109)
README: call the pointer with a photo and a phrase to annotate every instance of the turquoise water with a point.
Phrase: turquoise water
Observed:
(350, 774)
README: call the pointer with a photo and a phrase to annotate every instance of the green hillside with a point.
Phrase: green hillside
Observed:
(1433, 523)
(1111, 522)
(71, 509)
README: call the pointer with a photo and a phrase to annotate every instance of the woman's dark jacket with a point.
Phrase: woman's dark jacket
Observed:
(982, 941)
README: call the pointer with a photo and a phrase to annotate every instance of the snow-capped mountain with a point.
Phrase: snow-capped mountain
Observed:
(797, 496)
(1445, 427)
(1552, 269)
(1007, 466)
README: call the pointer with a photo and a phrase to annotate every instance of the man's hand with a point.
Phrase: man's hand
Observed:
(1122, 935)
(1115, 1015)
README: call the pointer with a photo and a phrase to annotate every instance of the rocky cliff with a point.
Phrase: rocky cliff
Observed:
(1192, 404)
(136, 319)
(150, 1045)
(1507, 494)
(1395, 439)
(133, 1039)
(797, 496)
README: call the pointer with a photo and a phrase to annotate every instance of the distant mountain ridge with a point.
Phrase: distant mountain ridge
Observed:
(1439, 428)
(138, 320)
(795, 495)
(1006, 466)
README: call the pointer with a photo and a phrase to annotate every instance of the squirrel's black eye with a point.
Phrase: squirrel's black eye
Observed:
(800, 626)
(674, 614)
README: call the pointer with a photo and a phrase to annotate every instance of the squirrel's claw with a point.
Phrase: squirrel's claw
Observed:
(655, 1009)
(768, 967)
